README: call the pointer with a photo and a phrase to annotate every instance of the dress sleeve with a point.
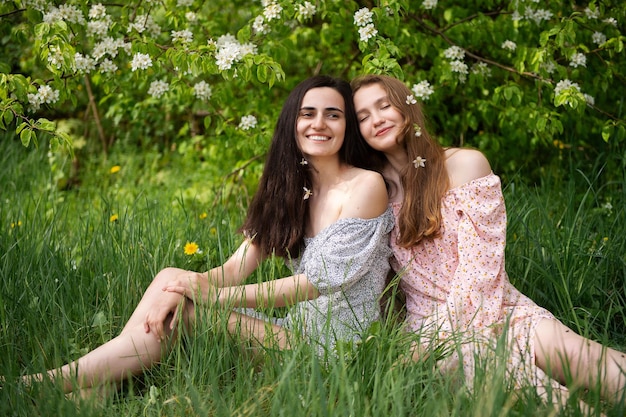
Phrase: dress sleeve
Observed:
(347, 251)
(477, 290)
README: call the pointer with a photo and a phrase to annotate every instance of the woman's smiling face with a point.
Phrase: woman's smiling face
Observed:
(321, 123)
(379, 121)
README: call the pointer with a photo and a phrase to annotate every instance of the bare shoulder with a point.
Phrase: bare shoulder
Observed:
(367, 197)
(464, 165)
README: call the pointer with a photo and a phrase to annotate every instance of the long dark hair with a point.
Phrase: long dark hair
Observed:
(277, 216)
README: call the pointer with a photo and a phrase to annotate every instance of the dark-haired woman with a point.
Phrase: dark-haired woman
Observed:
(314, 207)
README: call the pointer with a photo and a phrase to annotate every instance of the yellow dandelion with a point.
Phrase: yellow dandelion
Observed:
(114, 169)
(113, 218)
(191, 248)
(203, 215)
(14, 224)
(213, 231)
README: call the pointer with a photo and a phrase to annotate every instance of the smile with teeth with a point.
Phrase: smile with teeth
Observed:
(318, 138)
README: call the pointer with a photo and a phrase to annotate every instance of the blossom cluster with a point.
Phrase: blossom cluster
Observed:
(429, 4)
(422, 90)
(271, 11)
(45, 95)
(230, 51)
(455, 55)
(247, 122)
(363, 20)
(565, 85)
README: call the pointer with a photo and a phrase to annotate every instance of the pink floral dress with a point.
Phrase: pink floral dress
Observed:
(456, 285)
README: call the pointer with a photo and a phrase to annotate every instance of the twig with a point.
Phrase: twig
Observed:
(96, 116)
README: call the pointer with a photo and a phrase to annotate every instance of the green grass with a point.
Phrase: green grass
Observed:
(70, 277)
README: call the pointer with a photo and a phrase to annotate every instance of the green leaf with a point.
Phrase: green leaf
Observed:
(607, 131)
(261, 73)
(25, 136)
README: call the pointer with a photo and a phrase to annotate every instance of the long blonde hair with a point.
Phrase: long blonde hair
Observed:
(424, 187)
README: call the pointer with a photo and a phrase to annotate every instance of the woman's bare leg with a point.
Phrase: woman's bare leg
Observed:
(563, 354)
(127, 354)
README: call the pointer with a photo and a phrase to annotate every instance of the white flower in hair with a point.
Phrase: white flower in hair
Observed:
(304, 162)
(307, 193)
(418, 130)
(410, 99)
(419, 162)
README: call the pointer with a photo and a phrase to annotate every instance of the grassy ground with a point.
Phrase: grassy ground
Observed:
(74, 261)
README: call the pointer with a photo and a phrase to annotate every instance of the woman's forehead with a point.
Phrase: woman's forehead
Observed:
(323, 97)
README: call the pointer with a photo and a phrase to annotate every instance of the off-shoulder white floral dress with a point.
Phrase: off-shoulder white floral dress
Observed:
(348, 263)
(456, 285)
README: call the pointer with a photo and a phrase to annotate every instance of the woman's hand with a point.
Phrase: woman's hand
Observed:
(192, 285)
(165, 312)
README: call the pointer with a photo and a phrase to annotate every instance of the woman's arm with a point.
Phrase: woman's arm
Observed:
(233, 272)
(274, 293)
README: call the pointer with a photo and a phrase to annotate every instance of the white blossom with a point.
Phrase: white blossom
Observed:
(429, 4)
(230, 51)
(55, 57)
(247, 122)
(419, 162)
(363, 17)
(145, 23)
(227, 56)
(454, 53)
(564, 85)
(578, 60)
(97, 11)
(589, 99)
(45, 94)
(481, 68)
(108, 46)
(259, 25)
(98, 27)
(306, 10)
(510, 45)
(458, 66)
(158, 88)
(422, 90)
(598, 38)
(191, 17)
(202, 91)
(183, 36)
(368, 31)
(83, 63)
(592, 14)
(226, 39)
(610, 21)
(65, 12)
(538, 15)
(184, 3)
(410, 100)
(272, 11)
(140, 61)
(34, 101)
(107, 66)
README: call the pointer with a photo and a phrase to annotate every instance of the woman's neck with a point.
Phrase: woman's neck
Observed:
(397, 160)
(326, 172)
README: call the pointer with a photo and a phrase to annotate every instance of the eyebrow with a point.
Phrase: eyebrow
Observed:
(326, 109)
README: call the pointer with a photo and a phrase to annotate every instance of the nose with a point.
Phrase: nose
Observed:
(318, 122)
(377, 119)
